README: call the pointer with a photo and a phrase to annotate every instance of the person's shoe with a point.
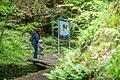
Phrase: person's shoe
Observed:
(35, 59)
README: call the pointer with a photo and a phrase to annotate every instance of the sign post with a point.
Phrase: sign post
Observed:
(63, 30)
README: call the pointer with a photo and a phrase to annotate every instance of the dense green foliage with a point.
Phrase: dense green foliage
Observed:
(14, 47)
(18, 18)
(98, 38)
(95, 37)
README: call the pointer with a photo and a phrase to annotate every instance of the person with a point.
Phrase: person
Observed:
(35, 42)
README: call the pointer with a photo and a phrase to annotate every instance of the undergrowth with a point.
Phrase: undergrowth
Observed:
(97, 57)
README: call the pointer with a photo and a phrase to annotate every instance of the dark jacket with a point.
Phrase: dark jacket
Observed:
(35, 38)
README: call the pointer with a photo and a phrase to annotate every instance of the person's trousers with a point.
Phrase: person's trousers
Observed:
(35, 51)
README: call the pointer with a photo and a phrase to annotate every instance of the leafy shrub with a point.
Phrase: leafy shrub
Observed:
(50, 41)
(82, 66)
(69, 70)
(6, 8)
(112, 15)
(50, 45)
(113, 68)
(28, 28)
(15, 47)
(86, 36)
(78, 65)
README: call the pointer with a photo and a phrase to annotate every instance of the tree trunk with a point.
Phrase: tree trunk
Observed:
(1, 36)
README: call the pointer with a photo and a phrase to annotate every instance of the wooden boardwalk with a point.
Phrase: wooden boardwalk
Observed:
(45, 61)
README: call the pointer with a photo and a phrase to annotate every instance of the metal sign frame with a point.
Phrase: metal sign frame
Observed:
(63, 34)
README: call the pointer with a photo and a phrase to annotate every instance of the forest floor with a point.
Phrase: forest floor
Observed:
(48, 59)
(35, 76)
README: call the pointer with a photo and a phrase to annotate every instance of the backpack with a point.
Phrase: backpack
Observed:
(32, 37)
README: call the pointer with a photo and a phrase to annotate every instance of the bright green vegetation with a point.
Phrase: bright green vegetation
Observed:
(98, 37)
(14, 55)
(95, 40)
(14, 47)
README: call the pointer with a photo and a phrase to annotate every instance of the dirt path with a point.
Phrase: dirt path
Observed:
(34, 76)
(48, 59)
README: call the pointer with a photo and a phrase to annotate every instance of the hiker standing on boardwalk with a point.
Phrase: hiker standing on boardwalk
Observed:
(35, 37)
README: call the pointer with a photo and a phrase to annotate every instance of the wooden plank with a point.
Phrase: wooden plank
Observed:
(46, 61)
(38, 61)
